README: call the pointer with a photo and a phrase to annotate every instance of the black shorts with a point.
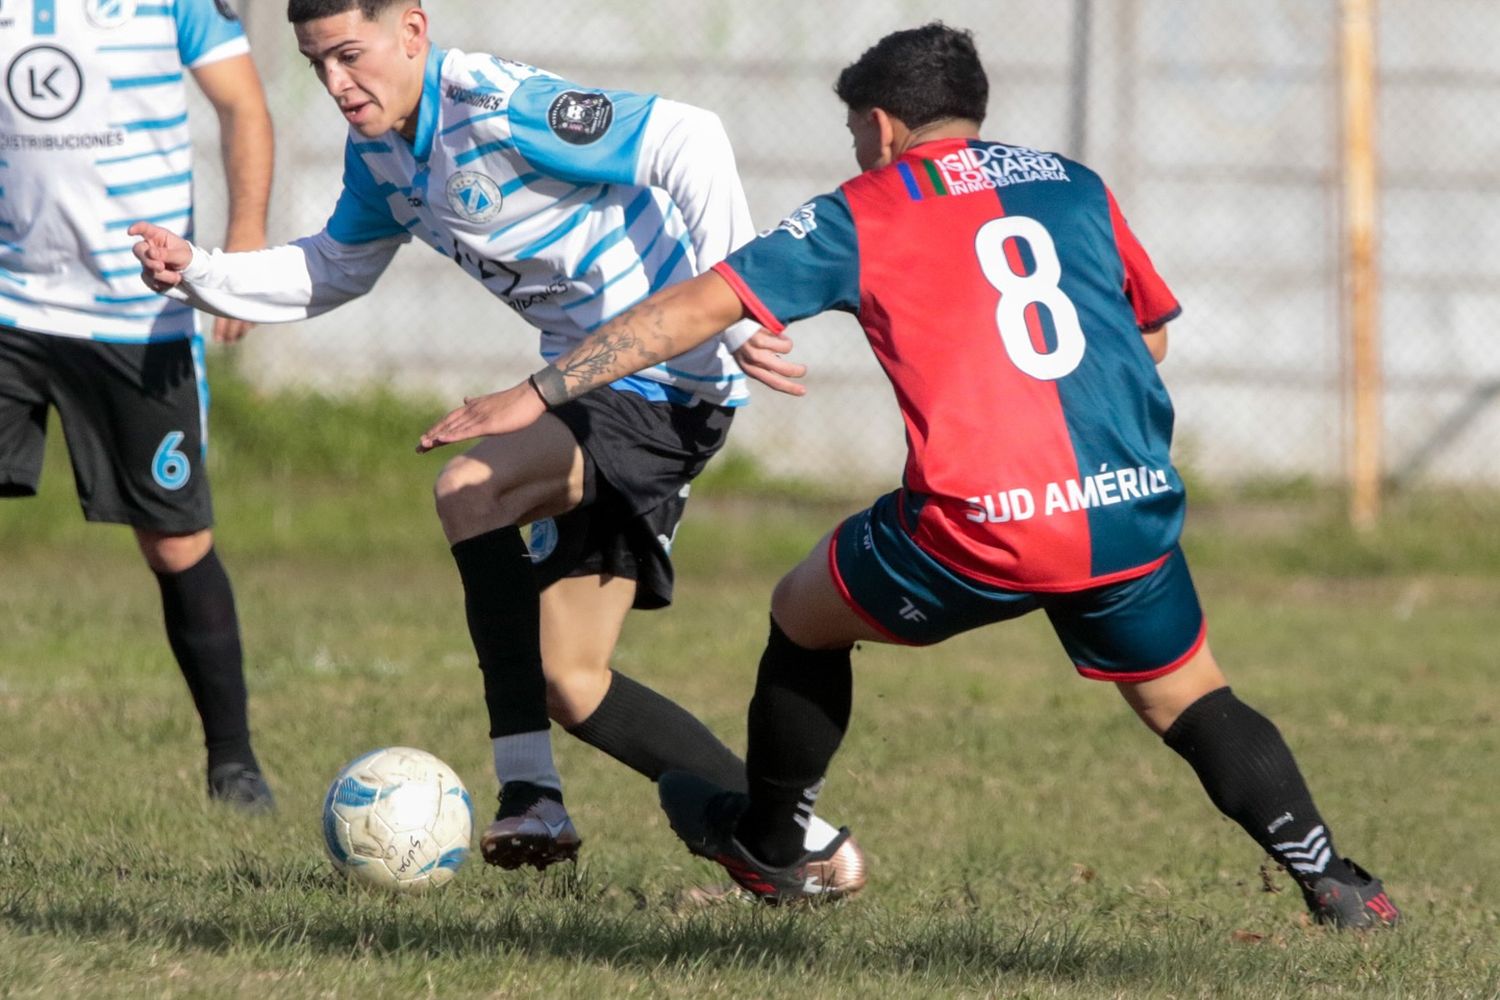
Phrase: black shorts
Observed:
(133, 416)
(640, 458)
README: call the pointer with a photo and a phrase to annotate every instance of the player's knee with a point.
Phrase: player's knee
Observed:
(574, 695)
(467, 499)
(173, 553)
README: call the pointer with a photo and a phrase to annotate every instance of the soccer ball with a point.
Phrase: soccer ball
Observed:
(398, 818)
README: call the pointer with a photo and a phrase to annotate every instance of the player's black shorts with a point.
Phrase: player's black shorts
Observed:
(133, 416)
(640, 458)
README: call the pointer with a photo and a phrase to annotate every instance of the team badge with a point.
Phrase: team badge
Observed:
(543, 540)
(579, 118)
(108, 13)
(44, 82)
(226, 11)
(801, 222)
(474, 196)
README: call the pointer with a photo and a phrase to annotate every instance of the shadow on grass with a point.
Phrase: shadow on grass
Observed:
(259, 907)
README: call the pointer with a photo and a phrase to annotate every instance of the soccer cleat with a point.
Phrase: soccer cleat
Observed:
(531, 828)
(1361, 905)
(704, 815)
(842, 877)
(241, 787)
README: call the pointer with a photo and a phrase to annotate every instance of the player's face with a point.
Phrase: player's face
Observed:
(372, 69)
(870, 147)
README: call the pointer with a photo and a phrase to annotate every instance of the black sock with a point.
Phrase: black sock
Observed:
(204, 632)
(503, 605)
(651, 734)
(797, 720)
(1250, 774)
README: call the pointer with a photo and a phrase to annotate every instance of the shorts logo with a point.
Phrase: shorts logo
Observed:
(579, 118)
(910, 611)
(543, 540)
(109, 13)
(44, 82)
(226, 11)
(474, 196)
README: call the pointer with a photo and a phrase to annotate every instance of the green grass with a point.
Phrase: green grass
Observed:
(1027, 836)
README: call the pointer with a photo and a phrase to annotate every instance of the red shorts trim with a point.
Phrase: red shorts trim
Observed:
(1148, 675)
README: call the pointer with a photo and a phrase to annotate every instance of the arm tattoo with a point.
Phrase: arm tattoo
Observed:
(637, 340)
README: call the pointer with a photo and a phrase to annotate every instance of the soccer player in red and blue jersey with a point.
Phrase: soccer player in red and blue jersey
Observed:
(1019, 322)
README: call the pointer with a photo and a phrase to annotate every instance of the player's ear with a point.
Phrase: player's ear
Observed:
(414, 31)
(888, 127)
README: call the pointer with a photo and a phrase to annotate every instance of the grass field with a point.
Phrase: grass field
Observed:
(1027, 836)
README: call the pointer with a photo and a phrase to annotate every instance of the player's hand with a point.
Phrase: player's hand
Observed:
(484, 416)
(163, 255)
(230, 331)
(761, 358)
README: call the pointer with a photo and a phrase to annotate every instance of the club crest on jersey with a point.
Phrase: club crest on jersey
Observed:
(108, 13)
(474, 196)
(543, 541)
(579, 119)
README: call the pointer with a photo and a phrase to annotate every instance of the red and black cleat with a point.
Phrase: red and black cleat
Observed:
(1361, 905)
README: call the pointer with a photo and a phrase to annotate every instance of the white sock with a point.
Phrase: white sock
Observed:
(818, 834)
(526, 757)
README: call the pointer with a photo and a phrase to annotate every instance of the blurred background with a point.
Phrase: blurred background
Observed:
(1219, 125)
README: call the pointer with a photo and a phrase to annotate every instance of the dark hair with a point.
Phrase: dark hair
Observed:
(300, 11)
(920, 76)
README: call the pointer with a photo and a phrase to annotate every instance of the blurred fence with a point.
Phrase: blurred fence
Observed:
(1215, 121)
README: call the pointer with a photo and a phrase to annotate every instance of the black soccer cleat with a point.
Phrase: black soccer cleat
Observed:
(531, 828)
(704, 816)
(241, 787)
(1360, 905)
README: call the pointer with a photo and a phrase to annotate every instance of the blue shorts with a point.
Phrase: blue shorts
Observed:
(1132, 630)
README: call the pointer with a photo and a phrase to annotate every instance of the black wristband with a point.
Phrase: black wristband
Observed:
(548, 383)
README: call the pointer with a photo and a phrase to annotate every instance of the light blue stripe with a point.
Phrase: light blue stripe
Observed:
(479, 152)
(571, 223)
(632, 213)
(152, 124)
(7, 225)
(502, 68)
(141, 156)
(44, 17)
(120, 272)
(124, 300)
(372, 147)
(7, 321)
(155, 337)
(101, 253)
(604, 288)
(510, 187)
(170, 180)
(8, 276)
(664, 273)
(130, 82)
(555, 206)
(4, 164)
(136, 48)
(12, 247)
(180, 213)
(675, 373)
(470, 121)
(154, 11)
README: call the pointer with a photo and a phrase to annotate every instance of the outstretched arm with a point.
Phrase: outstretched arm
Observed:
(673, 321)
(233, 87)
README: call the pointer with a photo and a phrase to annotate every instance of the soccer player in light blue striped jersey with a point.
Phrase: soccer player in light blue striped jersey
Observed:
(570, 204)
(94, 134)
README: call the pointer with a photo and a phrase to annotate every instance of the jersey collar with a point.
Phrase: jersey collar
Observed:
(427, 111)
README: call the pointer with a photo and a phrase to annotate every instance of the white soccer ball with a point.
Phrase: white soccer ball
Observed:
(398, 818)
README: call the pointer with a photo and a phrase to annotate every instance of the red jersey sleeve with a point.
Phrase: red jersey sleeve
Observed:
(1154, 303)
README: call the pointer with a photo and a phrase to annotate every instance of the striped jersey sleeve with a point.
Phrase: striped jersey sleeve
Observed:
(207, 32)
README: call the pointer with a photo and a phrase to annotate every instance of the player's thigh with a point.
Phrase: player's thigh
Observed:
(135, 418)
(514, 478)
(1134, 631)
(23, 411)
(872, 572)
(810, 609)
